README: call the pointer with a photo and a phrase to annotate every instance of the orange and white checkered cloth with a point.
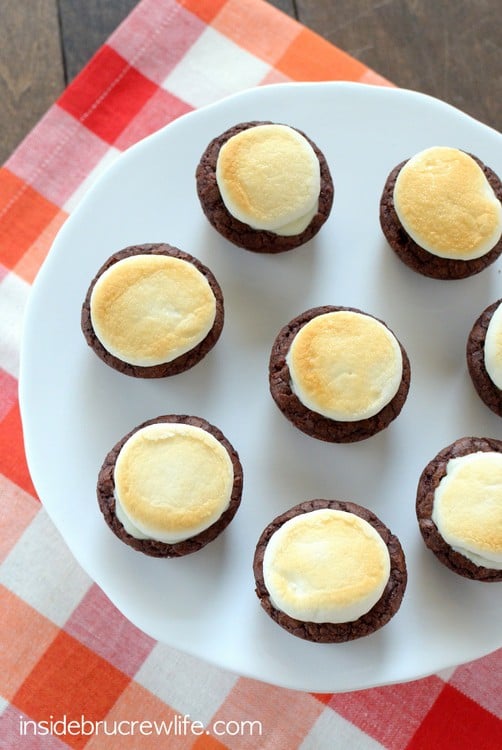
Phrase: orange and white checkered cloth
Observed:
(66, 654)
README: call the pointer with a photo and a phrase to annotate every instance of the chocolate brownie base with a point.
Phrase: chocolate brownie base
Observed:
(310, 422)
(475, 353)
(327, 632)
(259, 241)
(415, 256)
(429, 480)
(184, 361)
(106, 495)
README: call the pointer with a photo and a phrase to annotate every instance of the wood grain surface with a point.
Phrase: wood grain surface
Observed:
(448, 49)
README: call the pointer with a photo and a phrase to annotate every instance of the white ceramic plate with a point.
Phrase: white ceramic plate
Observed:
(74, 408)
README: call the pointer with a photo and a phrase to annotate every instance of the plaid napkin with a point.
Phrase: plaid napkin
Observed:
(73, 671)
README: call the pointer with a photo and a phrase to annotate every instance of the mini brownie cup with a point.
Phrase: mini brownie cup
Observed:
(311, 422)
(178, 364)
(429, 481)
(106, 493)
(418, 258)
(487, 390)
(336, 632)
(239, 233)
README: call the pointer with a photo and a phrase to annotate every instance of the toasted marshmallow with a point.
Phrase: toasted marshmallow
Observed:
(149, 309)
(467, 507)
(269, 178)
(172, 481)
(345, 365)
(326, 566)
(445, 203)
(493, 348)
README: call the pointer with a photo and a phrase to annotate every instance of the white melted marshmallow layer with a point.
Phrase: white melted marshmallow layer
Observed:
(345, 365)
(172, 481)
(467, 507)
(269, 178)
(150, 309)
(446, 204)
(327, 565)
(493, 348)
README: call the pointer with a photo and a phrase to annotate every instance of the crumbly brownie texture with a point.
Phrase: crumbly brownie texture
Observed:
(475, 352)
(308, 421)
(151, 547)
(415, 256)
(237, 232)
(429, 480)
(378, 615)
(184, 361)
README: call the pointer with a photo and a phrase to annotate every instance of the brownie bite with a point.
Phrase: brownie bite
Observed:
(170, 486)
(152, 311)
(329, 571)
(459, 507)
(338, 374)
(264, 186)
(441, 212)
(484, 356)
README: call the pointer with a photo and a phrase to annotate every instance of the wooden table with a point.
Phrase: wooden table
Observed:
(448, 49)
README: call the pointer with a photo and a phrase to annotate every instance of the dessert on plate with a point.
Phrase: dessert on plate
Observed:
(170, 486)
(484, 356)
(329, 571)
(264, 186)
(441, 212)
(152, 310)
(338, 374)
(459, 507)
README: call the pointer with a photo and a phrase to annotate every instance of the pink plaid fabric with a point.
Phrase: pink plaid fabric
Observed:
(66, 654)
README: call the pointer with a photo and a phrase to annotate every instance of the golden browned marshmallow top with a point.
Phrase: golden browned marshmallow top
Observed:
(150, 309)
(467, 507)
(269, 178)
(493, 348)
(445, 203)
(172, 481)
(345, 365)
(326, 566)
